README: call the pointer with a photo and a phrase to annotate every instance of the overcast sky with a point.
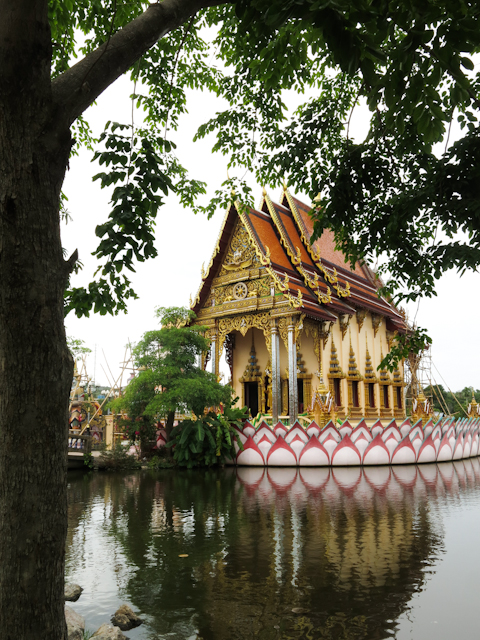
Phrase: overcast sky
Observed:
(185, 241)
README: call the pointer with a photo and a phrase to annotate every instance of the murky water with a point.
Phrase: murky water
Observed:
(281, 553)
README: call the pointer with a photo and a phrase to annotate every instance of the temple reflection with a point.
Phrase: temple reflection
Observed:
(272, 553)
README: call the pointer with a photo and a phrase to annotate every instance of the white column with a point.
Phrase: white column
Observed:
(213, 351)
(292, 374)
(276, 389)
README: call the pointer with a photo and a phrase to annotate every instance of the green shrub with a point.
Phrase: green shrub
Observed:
(118, 459)
(161, 462)
(207, 440)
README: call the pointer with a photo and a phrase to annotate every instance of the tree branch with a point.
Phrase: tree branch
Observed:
(76, 89)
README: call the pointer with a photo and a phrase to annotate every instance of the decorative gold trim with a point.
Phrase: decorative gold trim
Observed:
(361, 314)
(376, 323)
(344, 322)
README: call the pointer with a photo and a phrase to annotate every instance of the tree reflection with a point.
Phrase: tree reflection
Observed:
(271, 553)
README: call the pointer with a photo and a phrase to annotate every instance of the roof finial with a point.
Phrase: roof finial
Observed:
(264, 191)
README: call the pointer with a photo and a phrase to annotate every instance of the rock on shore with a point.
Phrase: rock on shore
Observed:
(108, 632)
(75, 624)
(125, 618)
(72, 592)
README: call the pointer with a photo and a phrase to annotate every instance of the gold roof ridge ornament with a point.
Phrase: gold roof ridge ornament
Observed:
(473, 407)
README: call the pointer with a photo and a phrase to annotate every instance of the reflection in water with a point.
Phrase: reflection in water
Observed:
(272, 553)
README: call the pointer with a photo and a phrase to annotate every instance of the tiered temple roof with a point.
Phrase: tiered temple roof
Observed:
(314, 278)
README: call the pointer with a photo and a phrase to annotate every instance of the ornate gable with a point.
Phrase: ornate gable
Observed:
(240, 253)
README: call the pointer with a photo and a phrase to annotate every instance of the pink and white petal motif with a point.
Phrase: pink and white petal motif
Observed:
(458, 448)
(428, 428)
(452, 438)
(297, 431)
(313, 429)
(361, 424)
(330, 444)
(445, 452)
(314, 454)
(405, 427)
(281, 455)
(391, 442)
(376, 453)
(467, 447)
(416, 431)
(361, 431)
(475, 440)
(330, 431)
(264, 431)
(262, 424)
(437, 435)
(314, 479)
(251, 454)
(392, 423)
(392, 431)
(248, 429)
(280, 429)
(345, 429)
(345, 454)
(264, 444)
(405, 452)
(427, 451)
(241, 435)
(361, 442)
(377, 428)
(297, 444)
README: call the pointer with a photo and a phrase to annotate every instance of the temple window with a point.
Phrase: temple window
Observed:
(371, 394)
(399, 397)
(355, 401)
(337, 392)
(386, 401)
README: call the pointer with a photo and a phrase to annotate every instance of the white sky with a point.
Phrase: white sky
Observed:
(185, 241)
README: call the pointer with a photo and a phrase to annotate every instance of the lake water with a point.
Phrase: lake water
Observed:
(281, 553)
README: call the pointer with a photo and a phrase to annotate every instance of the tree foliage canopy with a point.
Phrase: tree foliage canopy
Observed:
(449, 402)
(406, 192)
(170, 379)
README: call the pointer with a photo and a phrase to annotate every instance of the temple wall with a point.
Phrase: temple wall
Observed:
(377, 345)
(308, 356)
(241, 354)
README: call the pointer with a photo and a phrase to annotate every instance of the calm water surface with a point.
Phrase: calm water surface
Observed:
(281, 554)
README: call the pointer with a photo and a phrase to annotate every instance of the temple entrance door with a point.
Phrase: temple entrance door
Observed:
(251, 397)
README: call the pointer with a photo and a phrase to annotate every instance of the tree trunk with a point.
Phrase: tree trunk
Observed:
(35, 366)
(169, 425)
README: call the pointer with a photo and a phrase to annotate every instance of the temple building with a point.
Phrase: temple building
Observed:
(295, 319)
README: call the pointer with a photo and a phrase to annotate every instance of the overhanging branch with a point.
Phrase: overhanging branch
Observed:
(76, 89)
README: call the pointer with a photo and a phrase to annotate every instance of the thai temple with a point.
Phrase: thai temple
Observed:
(292, 317)
(304, 333)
